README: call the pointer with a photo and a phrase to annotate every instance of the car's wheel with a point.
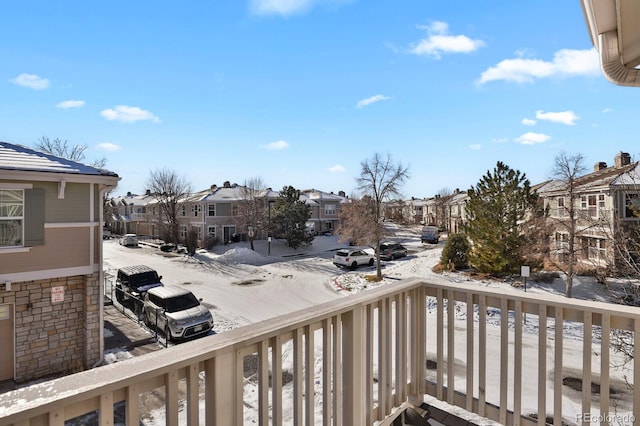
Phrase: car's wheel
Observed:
(370, 262)
(354, 266)
(393, 256)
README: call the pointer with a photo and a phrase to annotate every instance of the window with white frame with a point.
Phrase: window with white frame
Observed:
(11, 217)
(330, 209)
(632, 206)
(589, 203)
(183, 232)
(211, 231)
(562, 209)
(211, 210)
(196, 209)
(183, 210)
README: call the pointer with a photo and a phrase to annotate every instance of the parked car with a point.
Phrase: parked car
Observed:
(352, 258)
(132, 283)
(430, 234)
(176, 311)
(129, 240)
(391, 251)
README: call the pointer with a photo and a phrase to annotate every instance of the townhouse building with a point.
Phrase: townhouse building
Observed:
(325, 208)
(606, 202)
(51, 214)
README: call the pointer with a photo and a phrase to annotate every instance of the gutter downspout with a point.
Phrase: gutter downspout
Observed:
(611, 62)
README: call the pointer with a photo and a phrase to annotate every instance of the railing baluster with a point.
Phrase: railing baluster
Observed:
(482, 354)
(276, 380)
(193, 395)
(171, 397)
(517, 364)
(451, 328)
(353, 361)
(309, 355)
(382, 358)
(542, 364)
(605, 341)
(401, 348)
(636, 368)
(132, 404)
(440, 345)
(263, 383)
(586, 362)
(368, 392)
(504, 358)
(337, 371)
(557, 377)
(327, 353)
(298, 377)
(56, 418)
(106, 409)
(388, 366)
(470, 351)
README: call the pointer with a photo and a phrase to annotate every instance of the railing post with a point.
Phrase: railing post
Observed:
(220, 390)
(354, 339)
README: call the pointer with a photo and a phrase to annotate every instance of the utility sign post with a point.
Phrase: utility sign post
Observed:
(525, 271)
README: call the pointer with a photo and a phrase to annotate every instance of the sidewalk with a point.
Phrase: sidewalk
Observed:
(123, 333)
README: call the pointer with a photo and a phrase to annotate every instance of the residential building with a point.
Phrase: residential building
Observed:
(605, 201)
(51, 215)
(128, 214)
(456, 211)
(325, 208)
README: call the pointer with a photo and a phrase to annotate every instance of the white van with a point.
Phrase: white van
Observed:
(430, 234)
(129, 240)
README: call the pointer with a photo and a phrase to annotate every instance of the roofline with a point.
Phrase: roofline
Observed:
(42, 176)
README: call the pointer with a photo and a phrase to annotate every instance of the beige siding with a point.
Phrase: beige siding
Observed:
(64, 248)
(73, 208)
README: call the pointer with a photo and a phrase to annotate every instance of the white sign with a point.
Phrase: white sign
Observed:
(525, 271)
(57, 294)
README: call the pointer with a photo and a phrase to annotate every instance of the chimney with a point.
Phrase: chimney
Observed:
(128, 194)
(342, 193)
(599, 166)
(148, 192)
(213, 187)
(226, 184)
(622, 159)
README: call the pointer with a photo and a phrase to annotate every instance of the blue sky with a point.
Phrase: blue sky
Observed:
(300, 92)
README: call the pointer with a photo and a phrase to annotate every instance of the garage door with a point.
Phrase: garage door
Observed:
(6, 337)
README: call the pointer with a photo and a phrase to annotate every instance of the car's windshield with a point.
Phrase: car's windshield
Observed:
(180, 303)
(144, 278)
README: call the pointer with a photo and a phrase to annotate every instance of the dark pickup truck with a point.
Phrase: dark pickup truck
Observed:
(132, 283)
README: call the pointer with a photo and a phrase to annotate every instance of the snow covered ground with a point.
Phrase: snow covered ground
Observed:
(242, 287)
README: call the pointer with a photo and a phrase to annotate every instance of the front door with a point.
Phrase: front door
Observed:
(6, 337)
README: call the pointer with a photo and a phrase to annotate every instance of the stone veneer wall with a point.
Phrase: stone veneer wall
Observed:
(55, 338)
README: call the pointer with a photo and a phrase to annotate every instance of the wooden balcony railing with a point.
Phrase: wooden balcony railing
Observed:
(502, 354)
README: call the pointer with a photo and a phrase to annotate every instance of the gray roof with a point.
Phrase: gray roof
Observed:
(21, 158)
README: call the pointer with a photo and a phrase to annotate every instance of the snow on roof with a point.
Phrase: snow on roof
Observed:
(18, 157)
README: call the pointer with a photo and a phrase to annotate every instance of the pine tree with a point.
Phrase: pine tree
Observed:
(290, 217)
(496, 207)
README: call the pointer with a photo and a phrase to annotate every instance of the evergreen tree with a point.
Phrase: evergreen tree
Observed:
(290, 216)
(496, 207)
(455, 252)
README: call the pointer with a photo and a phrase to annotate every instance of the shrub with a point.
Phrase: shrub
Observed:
(455, 252)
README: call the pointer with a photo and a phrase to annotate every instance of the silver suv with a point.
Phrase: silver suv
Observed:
(177, 312)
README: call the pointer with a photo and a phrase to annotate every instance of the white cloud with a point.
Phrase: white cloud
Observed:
(31, 81)
(440, 41)
(371, 100)
(277, 146)
(70, 104)
(564, 117)
(128, 114)
(287, 7)
(528, 122)
(566, 62)
(106, 146)
(337, 169)
(531, 138)
(500, 140)
(475, 146)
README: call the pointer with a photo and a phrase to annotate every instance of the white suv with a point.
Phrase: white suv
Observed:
(352, 258)
(177, 312)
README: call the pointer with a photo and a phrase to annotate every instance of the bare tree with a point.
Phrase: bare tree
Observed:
(566, 170)
(441, 208)
(355, 219)
(251, 209)
(380, 180)
(61, 148)
(169, 189)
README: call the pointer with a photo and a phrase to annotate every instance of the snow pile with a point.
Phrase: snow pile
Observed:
(241, 255)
